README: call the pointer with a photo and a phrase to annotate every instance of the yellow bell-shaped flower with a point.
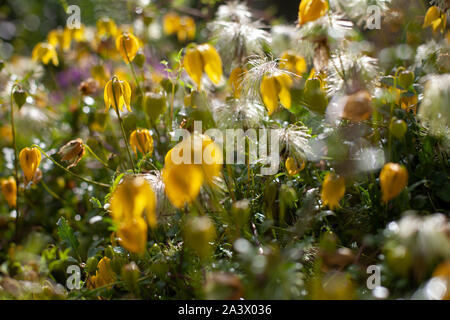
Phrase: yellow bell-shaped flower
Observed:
(292, 166)
(133, 198)
(29, 159)
(203, 58)
(311, 10)
(273, 87)
(393, 179)
(293, 62)
(132, 235)
(435, 18)
(104, 274)
(183, 27)
(117, 93)
(333, 189)
(141, 140)
(60, 38)
(236, 81)
(9, 191)
(106, 27)
(127, 45)
(188, 165)
(45, 52)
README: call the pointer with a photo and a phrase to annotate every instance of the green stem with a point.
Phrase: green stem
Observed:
(16, 158)
(116, 108)
(70, 172)
(52, 193)
(97, 157)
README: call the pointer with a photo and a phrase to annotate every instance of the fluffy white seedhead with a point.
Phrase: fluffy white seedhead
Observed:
(286, 38)
(359, 11)
(234, 11)
(295, 140)
(434, 111)
(351, 71)
(236, 40)
(427, 54)
(235, 114)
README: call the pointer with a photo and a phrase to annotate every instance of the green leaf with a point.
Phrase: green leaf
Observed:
(96, 202)
(67, 234)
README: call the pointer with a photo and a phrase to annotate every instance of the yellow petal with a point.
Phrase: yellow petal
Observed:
(433, 13)
(333, 189)
(311, 10)
(269, 92)
(133, 235)
(285, 83)
(211, 62)
(193, 64)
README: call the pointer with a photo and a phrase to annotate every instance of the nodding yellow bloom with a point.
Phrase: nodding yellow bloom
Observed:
(133, 198)
(236, 81)
(393, 179)
(141, 140)
(435, 18)
(132, 235)
(293, 62)
(9, 191)
(127, 45)
(292, 167)
(72, 151)
(183, 27)
(273, 87)
(358, 106)
(29, 159)
(311, 10)
(106, 27)
(117, 94)
(104, 274)
(60, 38)
(188, 165)
(333, 189)
(203, 58)
(45, 52)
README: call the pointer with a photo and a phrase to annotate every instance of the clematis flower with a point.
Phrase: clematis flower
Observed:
(292, 166)
(435, 18)
(133, 235)
(104, 274)
(132, 199)
(293, 62)
(9, 191)
(393, 179)
(273, 87)
(203, 59)
(141, 140)
(45, 52)
(106, 27)
(117, 94)
(187, 165)
(72, 151)
(333, 189)
(183, 27)
(29, 159)
(127, 45)
(311, 10)
(60, 38)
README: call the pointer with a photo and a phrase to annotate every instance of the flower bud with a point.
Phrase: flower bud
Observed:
(405, 79)
(198, 233)
(398, 128)
(154, 105)
(20, 97)
(393, 179)
(292, 166)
